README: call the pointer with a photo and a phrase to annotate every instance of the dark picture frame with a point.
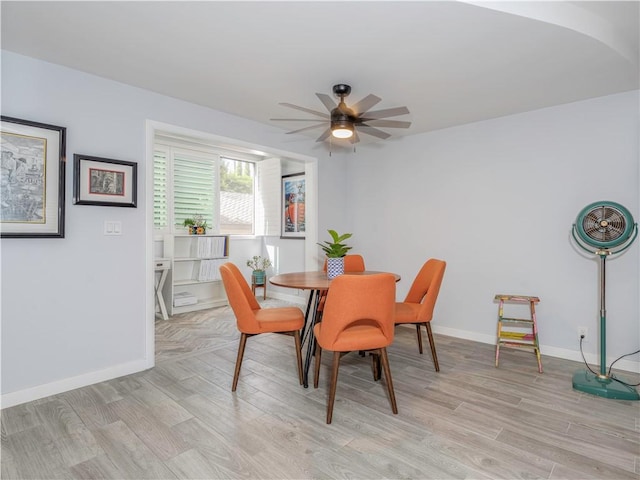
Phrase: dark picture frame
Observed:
(104, 182)
(293, 206)
(32, 180)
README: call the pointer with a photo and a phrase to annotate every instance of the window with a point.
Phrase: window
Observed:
(236, 196)
(194, 179)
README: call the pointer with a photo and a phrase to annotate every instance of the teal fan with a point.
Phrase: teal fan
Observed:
(604, 228)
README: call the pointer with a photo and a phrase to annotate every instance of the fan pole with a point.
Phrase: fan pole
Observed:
(603, 316)
(602, 384)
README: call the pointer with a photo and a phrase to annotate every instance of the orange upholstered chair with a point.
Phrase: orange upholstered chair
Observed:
(417, 307)
(358, 316)
(254, 320)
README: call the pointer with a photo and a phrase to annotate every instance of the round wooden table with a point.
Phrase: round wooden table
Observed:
(316, 282)
(312, 280)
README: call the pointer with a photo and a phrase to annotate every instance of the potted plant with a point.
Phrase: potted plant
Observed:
(196, 225)
(335, 251)
(258, 266)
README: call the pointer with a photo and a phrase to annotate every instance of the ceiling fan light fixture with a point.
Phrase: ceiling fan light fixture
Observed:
(341, 125)
(342, 131)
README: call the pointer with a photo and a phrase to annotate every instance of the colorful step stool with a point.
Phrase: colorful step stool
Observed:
(526, 336)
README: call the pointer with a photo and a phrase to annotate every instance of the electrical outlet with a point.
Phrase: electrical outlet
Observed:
(583, 332)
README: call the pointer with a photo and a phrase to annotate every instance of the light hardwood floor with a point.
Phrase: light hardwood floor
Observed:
(180, 419)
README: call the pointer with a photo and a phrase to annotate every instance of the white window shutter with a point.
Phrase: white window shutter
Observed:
(268, 197)
(160, 190)
(194, 187)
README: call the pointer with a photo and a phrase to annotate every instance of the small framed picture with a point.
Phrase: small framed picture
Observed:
(104, 182)
(293, 203)
(32, 179)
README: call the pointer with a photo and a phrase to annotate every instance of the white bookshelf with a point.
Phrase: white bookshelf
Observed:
(195, 263)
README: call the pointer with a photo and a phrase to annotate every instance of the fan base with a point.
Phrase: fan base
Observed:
(587, 382)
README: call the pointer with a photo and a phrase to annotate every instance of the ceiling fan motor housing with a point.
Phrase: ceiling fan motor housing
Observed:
(604, 225)
(342, 117)
(341, 90)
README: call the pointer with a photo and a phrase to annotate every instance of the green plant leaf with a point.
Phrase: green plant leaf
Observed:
(336, 248)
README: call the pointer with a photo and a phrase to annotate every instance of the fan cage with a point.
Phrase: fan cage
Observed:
(604, 225)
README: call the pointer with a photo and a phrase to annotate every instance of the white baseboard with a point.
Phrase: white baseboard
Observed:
(53, 388)
(592, 359)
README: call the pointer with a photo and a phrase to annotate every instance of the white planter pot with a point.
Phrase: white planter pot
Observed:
(335, 267)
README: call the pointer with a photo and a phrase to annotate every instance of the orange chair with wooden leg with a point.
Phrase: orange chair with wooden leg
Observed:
(417, 307)
(254, 320)
(358, 316)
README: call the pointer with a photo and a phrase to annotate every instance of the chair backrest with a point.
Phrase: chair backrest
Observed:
(426, 286)
(353, 301)
(241, 299)
(352, 263)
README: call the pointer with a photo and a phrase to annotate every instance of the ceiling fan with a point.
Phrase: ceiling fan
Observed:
(347, 122)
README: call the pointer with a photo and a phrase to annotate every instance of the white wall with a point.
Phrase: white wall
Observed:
(76, 310)
(496, 200)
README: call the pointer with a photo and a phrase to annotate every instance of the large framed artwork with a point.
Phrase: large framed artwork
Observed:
(104, 181)
(32, 179)
(293, 202)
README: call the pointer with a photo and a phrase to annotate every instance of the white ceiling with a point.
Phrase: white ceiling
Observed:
(449, 62)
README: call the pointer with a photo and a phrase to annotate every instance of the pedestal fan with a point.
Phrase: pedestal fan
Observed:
(604, 228)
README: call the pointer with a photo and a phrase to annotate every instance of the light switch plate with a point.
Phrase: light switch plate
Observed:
(112, 227)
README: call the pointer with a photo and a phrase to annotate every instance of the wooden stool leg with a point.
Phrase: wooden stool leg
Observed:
(500, 307)
(534, 327)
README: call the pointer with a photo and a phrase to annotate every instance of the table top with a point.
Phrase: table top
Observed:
(313, 280)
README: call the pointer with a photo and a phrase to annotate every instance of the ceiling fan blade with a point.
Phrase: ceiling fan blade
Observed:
(307, 128)
(324, 135)
(327, 101)
(365, 104)
(293, 119)
(389, 112)
(373, 131)
(374, 122)
(303, 109)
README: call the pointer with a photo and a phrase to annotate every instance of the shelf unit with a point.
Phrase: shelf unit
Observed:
(195, 262)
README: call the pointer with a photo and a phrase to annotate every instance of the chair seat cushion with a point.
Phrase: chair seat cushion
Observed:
(356, 337)
(279, 319)
(407, 312)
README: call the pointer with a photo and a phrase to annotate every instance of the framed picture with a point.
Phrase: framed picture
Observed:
(32, 179)
(104, 181)
(293, 201)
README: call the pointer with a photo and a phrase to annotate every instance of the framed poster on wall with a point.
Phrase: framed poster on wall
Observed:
(105, 182)
(32, 179)
(293, 203)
